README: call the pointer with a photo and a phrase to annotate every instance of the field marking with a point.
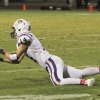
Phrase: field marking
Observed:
(44, 97)
(20, 70)
(83, 13)
(69, 48)
(39, 69)
(57, 37)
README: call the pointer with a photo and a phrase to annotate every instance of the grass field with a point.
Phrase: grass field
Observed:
(74, 36)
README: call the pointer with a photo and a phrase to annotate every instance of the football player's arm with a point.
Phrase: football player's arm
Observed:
(14, 58)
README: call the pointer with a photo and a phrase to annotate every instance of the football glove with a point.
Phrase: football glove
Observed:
(1, 59)
(2, 51)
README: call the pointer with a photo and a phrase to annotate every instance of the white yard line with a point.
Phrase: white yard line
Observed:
(44, 97)
(82, 48)
(20, 70)
(36, 69)
(58, 37)
(84, 14)
(53, 49)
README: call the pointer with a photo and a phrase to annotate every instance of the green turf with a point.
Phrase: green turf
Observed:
(74, 36)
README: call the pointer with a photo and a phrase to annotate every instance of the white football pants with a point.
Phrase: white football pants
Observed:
(56, 68)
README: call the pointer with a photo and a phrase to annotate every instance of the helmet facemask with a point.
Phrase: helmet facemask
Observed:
(13, 33)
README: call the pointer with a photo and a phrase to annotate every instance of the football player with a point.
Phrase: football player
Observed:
(28, 45)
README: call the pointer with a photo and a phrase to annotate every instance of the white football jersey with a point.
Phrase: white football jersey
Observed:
(35, 50)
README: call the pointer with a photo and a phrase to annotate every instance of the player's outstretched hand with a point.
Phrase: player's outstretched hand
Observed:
(2, 51)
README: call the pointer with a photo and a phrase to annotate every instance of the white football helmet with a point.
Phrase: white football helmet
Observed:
(21, 26)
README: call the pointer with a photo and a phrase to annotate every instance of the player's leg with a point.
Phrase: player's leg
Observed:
(79, 73)
(75, 78)
(55, 68)
(55, 73)
(88, 82)
(72, 72)
(66, 81)
(90, 71)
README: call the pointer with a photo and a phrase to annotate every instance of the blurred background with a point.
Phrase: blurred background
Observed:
(49, 4)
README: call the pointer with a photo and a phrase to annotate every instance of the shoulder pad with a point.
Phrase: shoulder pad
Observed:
(24, 39)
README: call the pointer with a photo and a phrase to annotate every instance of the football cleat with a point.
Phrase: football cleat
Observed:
(90, 82)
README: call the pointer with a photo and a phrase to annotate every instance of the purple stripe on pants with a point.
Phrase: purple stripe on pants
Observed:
(51, 73)
(55, 69)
